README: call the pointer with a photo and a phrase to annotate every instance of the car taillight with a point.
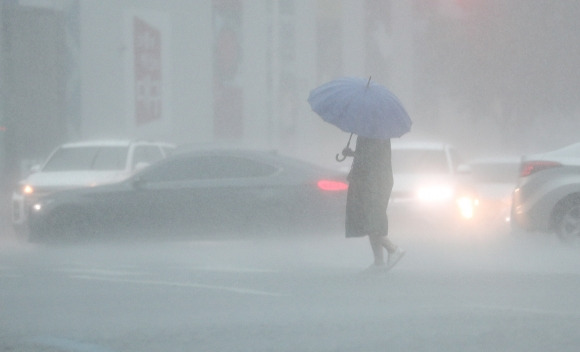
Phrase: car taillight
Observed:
(330, 185)
(531, 167)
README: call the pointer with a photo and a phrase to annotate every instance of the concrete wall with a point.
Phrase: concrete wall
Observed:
(107, 66)
(286, 48)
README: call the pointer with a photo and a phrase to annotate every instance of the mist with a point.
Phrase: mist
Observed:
(270, 294)
(490, 77)
(487, 76)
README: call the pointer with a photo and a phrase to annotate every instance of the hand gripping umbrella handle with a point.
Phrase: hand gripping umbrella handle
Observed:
(346, 151)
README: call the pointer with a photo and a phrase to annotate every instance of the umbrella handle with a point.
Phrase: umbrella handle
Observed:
(349, 138)
(346, 151)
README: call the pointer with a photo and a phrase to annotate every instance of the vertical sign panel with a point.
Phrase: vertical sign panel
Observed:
(148, 72)
(228, 93)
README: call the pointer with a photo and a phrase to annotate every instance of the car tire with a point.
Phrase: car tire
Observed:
(567, 220)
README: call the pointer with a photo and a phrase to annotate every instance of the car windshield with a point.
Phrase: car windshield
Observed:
(88, 158)
(419, 161)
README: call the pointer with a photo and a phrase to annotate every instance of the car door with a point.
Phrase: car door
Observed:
(204, 191)
(237, 190)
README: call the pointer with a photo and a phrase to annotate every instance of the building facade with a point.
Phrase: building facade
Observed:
(200, 71)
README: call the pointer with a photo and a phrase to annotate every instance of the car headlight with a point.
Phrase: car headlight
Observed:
(435, 193)
(27, 189)
(40, 205)
(467, 206)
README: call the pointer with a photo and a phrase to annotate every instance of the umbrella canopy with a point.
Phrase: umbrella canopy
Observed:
(362, 107)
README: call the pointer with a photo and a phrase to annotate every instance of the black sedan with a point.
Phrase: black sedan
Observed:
(207, 192)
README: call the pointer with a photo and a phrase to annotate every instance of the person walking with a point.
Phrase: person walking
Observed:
(370, 184)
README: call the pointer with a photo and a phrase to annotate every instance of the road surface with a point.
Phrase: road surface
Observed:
(304, 294)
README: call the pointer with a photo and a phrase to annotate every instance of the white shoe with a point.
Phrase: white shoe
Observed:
(395, 257)
(376, 269)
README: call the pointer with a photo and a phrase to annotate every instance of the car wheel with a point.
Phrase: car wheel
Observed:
(567, 224)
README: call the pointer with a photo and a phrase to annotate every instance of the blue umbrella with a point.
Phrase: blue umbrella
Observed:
(361, 107)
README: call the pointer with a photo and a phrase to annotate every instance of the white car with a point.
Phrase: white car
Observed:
(547, 197)
(494, 180)
(429, 191)
(83, 164)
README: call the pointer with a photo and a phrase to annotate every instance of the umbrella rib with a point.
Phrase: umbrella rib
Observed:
(355, 106)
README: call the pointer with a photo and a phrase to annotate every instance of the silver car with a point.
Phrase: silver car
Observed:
(547, 195)
(83, 164)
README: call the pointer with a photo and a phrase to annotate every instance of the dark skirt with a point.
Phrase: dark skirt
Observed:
(366, 210)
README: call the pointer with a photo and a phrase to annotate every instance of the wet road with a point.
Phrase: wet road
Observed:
(447, 294)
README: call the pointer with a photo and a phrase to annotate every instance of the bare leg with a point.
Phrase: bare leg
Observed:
(377, 247)
(389, 246)
(395, 253)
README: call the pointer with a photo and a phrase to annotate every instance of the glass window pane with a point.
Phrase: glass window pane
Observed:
(208, 167)
(110, 158)
(87, 158)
